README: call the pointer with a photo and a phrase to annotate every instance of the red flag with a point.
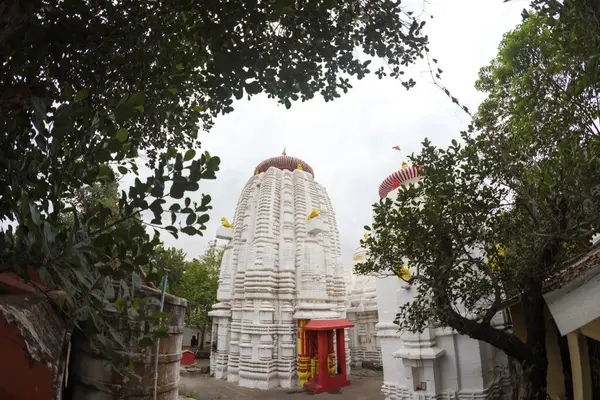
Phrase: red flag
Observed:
(396, 148)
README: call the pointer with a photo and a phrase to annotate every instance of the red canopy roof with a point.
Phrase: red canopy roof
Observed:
(327, 324)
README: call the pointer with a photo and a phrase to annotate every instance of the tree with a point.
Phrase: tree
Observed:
(89, 88)
(199, 286)
(498, 216)
(172, 261)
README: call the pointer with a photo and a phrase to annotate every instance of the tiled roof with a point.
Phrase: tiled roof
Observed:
(574, 268)
(284, 162)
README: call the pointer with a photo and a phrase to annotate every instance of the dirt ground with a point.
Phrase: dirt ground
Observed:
(365, 385)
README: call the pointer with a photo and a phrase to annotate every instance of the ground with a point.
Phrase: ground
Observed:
(365, 385)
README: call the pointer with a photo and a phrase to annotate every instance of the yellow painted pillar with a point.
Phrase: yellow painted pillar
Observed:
(304, 371)
(580, 366)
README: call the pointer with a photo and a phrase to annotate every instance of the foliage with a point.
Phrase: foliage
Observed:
(91, 88)
(191, 58)
(199, 285)
(527, 177)
(172, 261)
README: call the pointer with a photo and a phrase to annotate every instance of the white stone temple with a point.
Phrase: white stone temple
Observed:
(438, 363)
(362, 312)
(281, 266)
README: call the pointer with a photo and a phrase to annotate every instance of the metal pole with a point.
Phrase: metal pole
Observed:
(162, 304)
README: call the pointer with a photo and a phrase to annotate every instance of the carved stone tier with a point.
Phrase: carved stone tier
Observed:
(361, 310)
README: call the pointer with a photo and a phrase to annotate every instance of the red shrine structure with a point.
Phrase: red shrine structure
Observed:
(319, 337)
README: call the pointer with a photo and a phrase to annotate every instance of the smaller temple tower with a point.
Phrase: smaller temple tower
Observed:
(362, 312)
(438, 362)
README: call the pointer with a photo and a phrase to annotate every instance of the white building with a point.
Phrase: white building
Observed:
(362, 312)
(281, 265)
(438, 363)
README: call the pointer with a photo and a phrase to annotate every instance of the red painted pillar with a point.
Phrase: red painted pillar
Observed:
(331, 366)
(323, 372)
(341, 352)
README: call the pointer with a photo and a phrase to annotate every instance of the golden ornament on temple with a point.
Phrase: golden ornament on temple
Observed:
(313, 214)
(299, 166)
(225, 223)
(402, 272)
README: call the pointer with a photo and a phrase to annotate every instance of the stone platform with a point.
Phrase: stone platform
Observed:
(365, 385)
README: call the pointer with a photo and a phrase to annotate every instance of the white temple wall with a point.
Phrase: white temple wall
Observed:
(279, 267)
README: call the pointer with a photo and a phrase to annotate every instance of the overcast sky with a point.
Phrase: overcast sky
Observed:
(348, 142)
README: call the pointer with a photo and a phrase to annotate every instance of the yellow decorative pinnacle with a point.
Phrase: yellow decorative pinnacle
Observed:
(313, 214)
(402, 272)
(299, 166)
(225, 223)
(404, 165)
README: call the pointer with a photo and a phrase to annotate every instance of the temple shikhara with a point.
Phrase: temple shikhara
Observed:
(281, 272)
(290, 314)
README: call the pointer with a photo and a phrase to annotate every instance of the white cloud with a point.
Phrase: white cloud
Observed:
(348, 142)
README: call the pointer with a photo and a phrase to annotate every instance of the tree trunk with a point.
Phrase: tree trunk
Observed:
(202, 336)
(535, 380)
(536, 368)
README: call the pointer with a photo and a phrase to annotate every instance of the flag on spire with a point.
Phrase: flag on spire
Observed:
(396, 148)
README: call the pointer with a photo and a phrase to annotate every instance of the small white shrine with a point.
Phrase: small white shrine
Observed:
(438, 363)
(281, 267)
(362, 312)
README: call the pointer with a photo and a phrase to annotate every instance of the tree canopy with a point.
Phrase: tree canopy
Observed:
(500, 214)
(91, 88)
(199, 285)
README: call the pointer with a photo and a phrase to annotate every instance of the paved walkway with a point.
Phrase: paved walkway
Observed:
(366, 385)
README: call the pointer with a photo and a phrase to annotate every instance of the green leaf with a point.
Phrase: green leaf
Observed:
(202, 219)
(142, 259)
(161, 333)
(191, 153)
(179, 67)
(122, 135)
(189, 230)
(105, 171)
(82, 95)
(122, 170)
(160, 314)
(172, 230)
(191, 219)
(137, 99)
